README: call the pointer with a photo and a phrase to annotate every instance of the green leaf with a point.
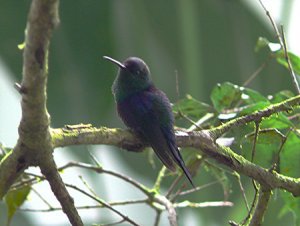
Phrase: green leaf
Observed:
(194, 163)
(291, 204)
(268, 143)
(264, 42)
(4, 151)
(14, 199)
(254, 107)
(251, 96)
(279, 54)
(228, 96)
(290, 156)
(221, 177)
(225, 96)
(281, 96)
(261, 43)
(295, 60)
(21, 46)
(278, 121)
(192, 107)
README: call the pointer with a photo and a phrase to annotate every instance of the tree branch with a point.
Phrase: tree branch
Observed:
(202, 140)
(34, 146)
(49, 170)
(172, 216)
(105, 204)
(282, 42)
(286, 105)
(261, 207)
(34, 135)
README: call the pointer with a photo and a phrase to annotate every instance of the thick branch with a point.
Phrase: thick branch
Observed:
(172, 216)
(34, 146)
(203, 140)
(261, 207)
(76, 135)
(34, 133)
(49, 170)
(286, 105)
(224, 155)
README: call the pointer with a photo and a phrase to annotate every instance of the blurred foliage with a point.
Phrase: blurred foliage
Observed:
(279, 54)
(205, 42)
(276, 145)
(14, 199)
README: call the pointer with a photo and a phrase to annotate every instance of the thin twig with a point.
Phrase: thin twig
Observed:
(136, 184)
(277, 155)
(95, 160)
(87, 186)
(42, 198)
(177, 84)
(23, 183)
(257, 123)
(114, 223)
(173, 185)
(172, 216)
(242, 190)
(202, 204)
(179, 190)
(232, 223)
(254, 203)
(181, 114)
(157, 218)
(99, 206)
(282, 42)
(102, 202)
(257, 71)
(261, 207)
(152, 197)
(287, 58)
(197, 125)
(273, 24)
(197, 188)
(159, 178)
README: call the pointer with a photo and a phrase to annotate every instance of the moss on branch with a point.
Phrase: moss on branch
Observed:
(203, 141)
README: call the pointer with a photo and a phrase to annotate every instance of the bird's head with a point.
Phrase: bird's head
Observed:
(133, 76)
(132, 68)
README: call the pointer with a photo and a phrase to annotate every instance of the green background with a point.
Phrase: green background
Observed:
(205, 42)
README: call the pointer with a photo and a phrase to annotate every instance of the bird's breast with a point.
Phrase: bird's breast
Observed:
(134, 109)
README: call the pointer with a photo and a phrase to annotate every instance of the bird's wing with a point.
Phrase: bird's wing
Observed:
(154, 135)
(150, 114)
(144, 113)
(158, 130)
(161, 108)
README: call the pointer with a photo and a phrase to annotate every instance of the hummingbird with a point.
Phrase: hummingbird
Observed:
(147, 111)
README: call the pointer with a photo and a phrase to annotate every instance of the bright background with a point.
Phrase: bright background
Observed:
(207, 42)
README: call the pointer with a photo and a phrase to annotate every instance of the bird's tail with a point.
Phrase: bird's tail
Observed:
(179, 160)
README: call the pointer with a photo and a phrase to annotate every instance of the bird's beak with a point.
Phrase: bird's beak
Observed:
(114, 61)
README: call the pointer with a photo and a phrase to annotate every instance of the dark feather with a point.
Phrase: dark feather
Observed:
(149, 114)
(147, 110)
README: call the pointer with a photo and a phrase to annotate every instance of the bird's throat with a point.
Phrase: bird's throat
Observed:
(124, 89)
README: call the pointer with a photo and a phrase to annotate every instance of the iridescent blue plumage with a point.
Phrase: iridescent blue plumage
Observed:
(147, 110)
